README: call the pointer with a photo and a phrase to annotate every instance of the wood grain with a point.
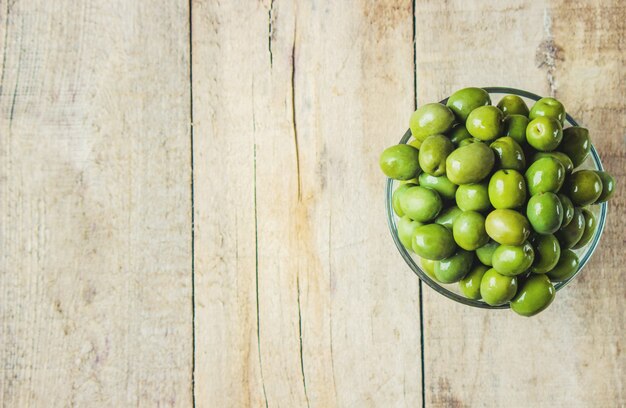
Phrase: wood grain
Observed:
(570, 355)
(95, 270)
(301, 299)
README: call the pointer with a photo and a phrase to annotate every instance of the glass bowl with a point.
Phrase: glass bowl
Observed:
(452, 290)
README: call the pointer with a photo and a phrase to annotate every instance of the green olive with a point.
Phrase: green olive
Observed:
(547, 253)
(568, 209)
(534, 296)
(430, 119)
(545, 175)
(569, 235)
(395, 198)
(576, 144)
(507, 189)
(420, 203)
(454, 268)
(448, 216)
(545, 213)
(433, 241)
(441, 184)
(548, 107)
(415, 143)
(608, 186)
(469, 230)
(433, 154)
(458, 134)
(584, 187)
(400, 162)
(428, 266)
(510, 260)
(485, 123)
(544, 133)
(590, 229)
(469, 164)
(565, 268)
(485, 252)
(515, 127)
(406, 229)
(465, 100)
(513, 105)
(509, 154)
(473, 197)
(497, 289)
(507, 227)
(470, 140)
(562, 157)
(470, 284)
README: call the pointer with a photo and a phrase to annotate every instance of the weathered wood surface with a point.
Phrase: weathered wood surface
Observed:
(299, 297)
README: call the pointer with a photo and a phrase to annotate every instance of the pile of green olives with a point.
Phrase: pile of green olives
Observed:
(491, 197)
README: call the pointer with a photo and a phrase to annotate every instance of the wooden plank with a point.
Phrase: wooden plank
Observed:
(301, 297)
(570, 355)
(95, 272)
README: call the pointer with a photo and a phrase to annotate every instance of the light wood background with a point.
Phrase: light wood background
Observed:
(192, 210)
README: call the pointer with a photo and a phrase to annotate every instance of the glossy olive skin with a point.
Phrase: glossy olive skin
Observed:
(507, 189)
(545, 175)
(395, 198)
(485, 123)
(590, 229)
(448, 216)
(608, 186)
(583, 187)
(458, 134)
(512, 260)
(544, 134)
(485, 253)
(565, 268)
(568, 209)
(406, 229)
(400, 162)
(465, 100)
(509, 154)
(560, 156)
(547, 253)
(473, 197)
(441, 185)
(576, 144)
(507, 227)
(545, 213)
(515, 127)
(433, 154)
(470, 284)
(513, 105)
(534, 296)
(434, 242)
(570, 235)
(548, 107)
(469, 230)
(455, 267)
(469, 164)
(497, 289)
(420, 203)
(428, 266)
(430, 119)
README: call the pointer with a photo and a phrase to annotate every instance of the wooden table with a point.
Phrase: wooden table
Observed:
(192, 210)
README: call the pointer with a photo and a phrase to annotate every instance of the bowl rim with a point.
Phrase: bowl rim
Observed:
(391, 222)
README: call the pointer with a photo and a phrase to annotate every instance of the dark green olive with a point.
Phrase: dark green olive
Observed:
(545, 213)
(454, 268)
(458, 134)
(507, 189)
(548, 107)
(515, 127)
(583, 187)
(544, 133)
(430, 119)
(513, 105)
(469, 164)
(395, 198)
(469, 230)
(509, 154)
(565, 268)
(485, 123)
(608, 186)
(545, 175)
(420, 203)
(473, 197)
(497, 289)
(448, 216)
(465, 100)
(534, 296)
(441, 184)
(485, 252)
(507, 227)
(570, 235)
(406, 229)
(433, 241)
(470, 284)
(433, 154)
(568, 209)
(400, 162)
(560, 156)
(576, 144)
(547, 252)
(511, 260)
(590, 229)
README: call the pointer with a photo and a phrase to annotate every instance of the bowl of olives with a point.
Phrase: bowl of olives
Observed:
(496, 206)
